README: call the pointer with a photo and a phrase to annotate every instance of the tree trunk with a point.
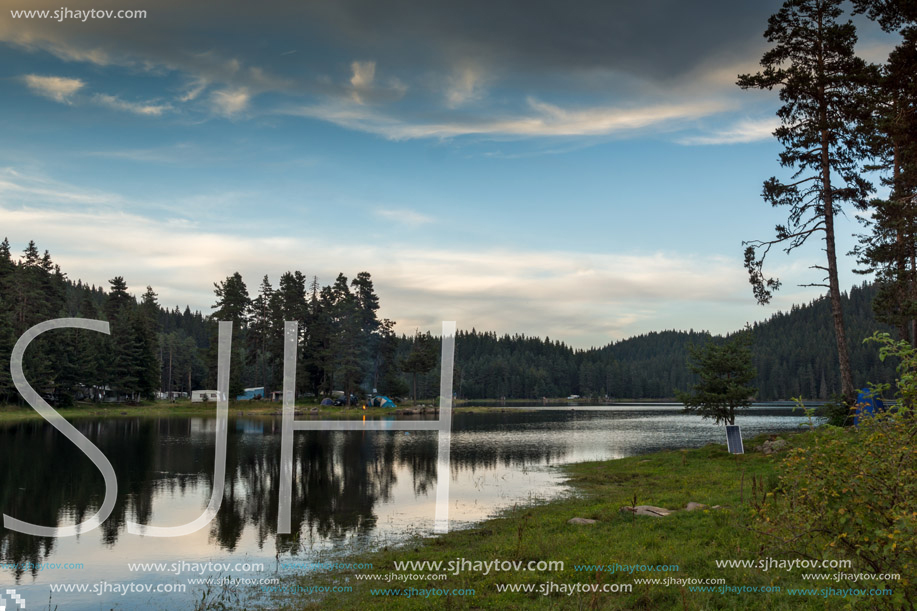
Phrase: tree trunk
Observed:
(828, 203)
(169, 389)
(914, 293)
(834, 291)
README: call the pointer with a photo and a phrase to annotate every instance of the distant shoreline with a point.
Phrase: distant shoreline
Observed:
(304, 410)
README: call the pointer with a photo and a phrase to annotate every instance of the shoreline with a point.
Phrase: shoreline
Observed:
(13, 413)
(692, 540)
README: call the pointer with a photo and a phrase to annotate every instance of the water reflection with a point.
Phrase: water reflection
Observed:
(346, 485)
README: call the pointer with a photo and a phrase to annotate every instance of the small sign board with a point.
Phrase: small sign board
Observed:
(734, 439)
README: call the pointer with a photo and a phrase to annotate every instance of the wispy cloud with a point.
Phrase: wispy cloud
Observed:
(542, 119)
(145, 109)
(362, 80)
(463, 86)
(26, 189)
(749, 130)
(230, 102)
(193, 91)
(404, 216)
(58, 88)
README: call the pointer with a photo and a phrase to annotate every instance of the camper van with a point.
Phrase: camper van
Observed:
(203, 396)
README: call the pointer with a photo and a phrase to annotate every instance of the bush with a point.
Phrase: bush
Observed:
(853, 494)
(836, 411)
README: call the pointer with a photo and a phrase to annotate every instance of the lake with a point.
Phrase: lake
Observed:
(352, 491)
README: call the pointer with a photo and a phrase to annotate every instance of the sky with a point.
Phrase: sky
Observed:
(580, 170)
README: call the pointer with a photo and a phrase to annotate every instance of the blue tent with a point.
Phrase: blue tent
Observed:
(327, 401)
(383, 401)
(251, 393)
(867, 403)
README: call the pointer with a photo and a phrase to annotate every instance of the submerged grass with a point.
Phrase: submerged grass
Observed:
(692, 540)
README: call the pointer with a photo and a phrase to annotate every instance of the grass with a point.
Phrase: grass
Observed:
(691, 540)
(184, 407)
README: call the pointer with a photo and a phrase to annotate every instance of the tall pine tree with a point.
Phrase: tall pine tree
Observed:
(820, 81)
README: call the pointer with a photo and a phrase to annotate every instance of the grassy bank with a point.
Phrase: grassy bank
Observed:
(692, 540)
(12, 413)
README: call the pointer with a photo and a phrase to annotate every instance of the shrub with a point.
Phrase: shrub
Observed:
(836, 411)
(853, 494)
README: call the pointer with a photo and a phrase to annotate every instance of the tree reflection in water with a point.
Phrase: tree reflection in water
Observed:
(339, 477)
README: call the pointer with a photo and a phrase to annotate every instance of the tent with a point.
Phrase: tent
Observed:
(327, 401)
(251, 394)
(867, 403)
(383, 401)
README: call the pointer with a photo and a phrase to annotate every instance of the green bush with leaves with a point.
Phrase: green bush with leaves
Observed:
(852, 494)
(836, 411)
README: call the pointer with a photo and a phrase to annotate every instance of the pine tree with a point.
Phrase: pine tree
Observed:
(233, 305)
(726, 374)
(820, 80)
(890, 250)
(421, 359)
(261, 332)
(347, 338)
(7, 336)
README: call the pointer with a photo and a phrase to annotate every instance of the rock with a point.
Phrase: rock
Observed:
(647, 460)
(581, 521)
(647, 510)
(692, 506)
(772, 445)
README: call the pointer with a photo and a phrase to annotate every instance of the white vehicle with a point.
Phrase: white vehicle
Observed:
(202, 396)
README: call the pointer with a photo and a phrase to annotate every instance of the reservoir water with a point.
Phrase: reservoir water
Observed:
(353, 491)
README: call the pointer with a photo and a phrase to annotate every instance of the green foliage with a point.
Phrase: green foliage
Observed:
(889, 250)
(835, 411)
(853, 493)
(725, 373)
(343, 341)
(421, 359)
(906, 385)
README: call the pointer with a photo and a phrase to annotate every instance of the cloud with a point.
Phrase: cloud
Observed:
(362, 79)
(595, 50)
(584, 298)
(194, 90)
(404, 216)
(463, 87)
(541, 120)
(230, 102)
(149, 110)
(22, 189)
(580, 297)
(58, 88)
(749, 130)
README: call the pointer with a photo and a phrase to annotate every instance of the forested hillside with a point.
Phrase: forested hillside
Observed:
(794, 354)
(345, 346)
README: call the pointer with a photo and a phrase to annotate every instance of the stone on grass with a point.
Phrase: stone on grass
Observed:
(581, 521)
(692, 506)
(647, 510)
(770, 446)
